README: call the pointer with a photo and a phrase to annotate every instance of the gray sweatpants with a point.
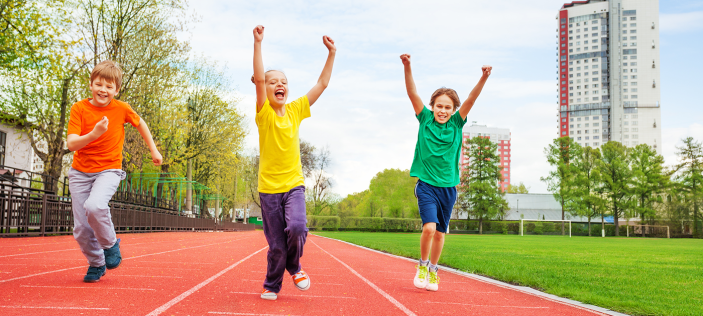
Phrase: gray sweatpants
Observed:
(93, 228)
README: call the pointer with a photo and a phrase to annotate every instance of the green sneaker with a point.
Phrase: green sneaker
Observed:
(420, 280)
(433, 284)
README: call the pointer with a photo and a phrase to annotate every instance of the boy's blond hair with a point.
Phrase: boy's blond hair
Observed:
(109, 71)
(451, 93)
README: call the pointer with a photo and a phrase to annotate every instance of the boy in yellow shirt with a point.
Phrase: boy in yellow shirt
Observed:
(281, 181)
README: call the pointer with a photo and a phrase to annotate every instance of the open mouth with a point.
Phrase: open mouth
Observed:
(280, 94)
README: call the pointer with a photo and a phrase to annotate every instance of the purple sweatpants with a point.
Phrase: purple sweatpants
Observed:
(285, 228)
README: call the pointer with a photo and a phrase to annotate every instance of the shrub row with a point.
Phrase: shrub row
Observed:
(364, 223)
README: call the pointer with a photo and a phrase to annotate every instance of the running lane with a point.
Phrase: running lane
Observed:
(222, 274)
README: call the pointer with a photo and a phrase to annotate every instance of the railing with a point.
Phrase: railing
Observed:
(28, 181)
(36, 214)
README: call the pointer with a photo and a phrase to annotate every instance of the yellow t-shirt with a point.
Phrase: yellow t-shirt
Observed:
(280, 169)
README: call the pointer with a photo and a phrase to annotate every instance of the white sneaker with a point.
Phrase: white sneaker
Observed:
(301, 280)
(420, 280)
(433, 284)
(268, 295)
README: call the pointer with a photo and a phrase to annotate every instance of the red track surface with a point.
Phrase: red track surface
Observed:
(222, 274)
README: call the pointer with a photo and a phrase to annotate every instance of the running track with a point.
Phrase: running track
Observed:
(221, 274)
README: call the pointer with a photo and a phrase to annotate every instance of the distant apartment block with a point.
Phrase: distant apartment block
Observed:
(499, 136)
(608, 72)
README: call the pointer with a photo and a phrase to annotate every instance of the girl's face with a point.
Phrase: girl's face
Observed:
(443, 109)
(276, 88)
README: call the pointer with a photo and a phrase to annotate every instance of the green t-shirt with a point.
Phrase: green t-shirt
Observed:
(437, 150)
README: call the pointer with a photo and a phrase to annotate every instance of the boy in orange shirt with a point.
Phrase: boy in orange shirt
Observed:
(96, 134)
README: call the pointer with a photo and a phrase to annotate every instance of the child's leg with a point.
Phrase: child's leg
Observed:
(80, 185)
(426, 240)
(296, 227)
(274, 223)
(437, 245)
(97, 208)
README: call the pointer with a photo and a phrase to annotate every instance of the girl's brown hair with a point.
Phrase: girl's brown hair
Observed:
(448, 92)
(270, 70)
(109, 71)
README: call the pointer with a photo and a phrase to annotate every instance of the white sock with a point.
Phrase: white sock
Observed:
(433, 268)
(424, 263)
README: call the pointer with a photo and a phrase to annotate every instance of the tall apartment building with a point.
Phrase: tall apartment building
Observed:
(608, 72)
(500, 136)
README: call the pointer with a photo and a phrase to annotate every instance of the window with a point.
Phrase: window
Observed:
(563, 126)
(587, 139)
(624, 90)
(595, 124)
(578, 119)
(627, 136)
(578, 138)
(633, 90)
(596, 137)
(563, 133)
(572, 119)
(626, 129)
(594, 41)
(634, 129)
(595, 131)
(571, 69)
(633, 83)
(626, 123)
(595, 117)
(633, 18)
(571, 126)
(571, 94)
(634, 96)
(634, 136)
(633, 31)
(632, 38)
(3, 144)
(571, 132)
(633, 24)
(624, 25)
(633, 64)
(634, 123)
(578, 125)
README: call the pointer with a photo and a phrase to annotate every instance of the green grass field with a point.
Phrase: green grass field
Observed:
(629, 275)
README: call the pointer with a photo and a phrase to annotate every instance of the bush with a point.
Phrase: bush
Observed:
(323, 222)
(538, 228)
(381, 224)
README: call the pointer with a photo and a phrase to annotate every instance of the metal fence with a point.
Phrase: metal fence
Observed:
(37, 214)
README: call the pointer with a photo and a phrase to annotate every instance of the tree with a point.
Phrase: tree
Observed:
(689, 177)
(648, 181)
(480, 189)
(586, 185)
(518, 189)
(614, 168)
(28, 31)
(392, 194)
(562, 155)
(319, 193)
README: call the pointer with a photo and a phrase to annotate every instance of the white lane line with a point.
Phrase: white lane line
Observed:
(88, 287)
(185, 294)
(250, 280)
(386, 295)
(494, 306)
(56, 307)
(146, 255)
(34, 253)
(318, 296)
(228, 313)
(147, 276)
(160, 262)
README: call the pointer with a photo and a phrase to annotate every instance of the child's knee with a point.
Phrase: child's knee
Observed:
(429, 229)
(95, 205)
(297, 229)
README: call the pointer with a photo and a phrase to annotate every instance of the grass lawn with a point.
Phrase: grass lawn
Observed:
(629, 275)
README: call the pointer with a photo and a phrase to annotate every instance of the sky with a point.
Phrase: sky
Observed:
(365, 117)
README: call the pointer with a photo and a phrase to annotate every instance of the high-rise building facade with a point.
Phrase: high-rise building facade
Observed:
(499, 136)
(608, 72)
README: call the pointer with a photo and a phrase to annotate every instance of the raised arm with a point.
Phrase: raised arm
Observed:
(75, 142)
(259, 75)
(143, 129)
(410, 85)
(469, 103)
(326, 74)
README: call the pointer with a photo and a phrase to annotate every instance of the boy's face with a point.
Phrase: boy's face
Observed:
(103, 91)
(276, 88)
(443, 109)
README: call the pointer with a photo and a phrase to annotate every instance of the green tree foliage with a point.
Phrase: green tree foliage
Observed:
(27, 32)
(562, 155)
(649, 180)
(390, 194)
(690, 178)
(614, 168)
(586, 186)
(518, 189)
(480, 192)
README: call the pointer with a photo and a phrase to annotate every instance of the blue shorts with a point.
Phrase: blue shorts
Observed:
(435, 204)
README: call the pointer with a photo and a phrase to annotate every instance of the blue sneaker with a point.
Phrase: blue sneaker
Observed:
(113, 258)
(94, 274)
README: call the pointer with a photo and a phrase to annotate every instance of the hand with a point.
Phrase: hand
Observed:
(405, 58)
(486, 70)
(259, 33)
(329, 43)
(101, 127)
(156, 158)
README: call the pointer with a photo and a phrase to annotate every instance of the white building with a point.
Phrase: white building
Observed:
(15, 148)
(499, 136)
(608, 72)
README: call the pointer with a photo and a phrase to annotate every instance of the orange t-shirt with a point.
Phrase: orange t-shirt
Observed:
(106, 151)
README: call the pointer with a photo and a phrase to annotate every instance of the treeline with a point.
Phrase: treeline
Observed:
(627, 183)
(48, 49)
